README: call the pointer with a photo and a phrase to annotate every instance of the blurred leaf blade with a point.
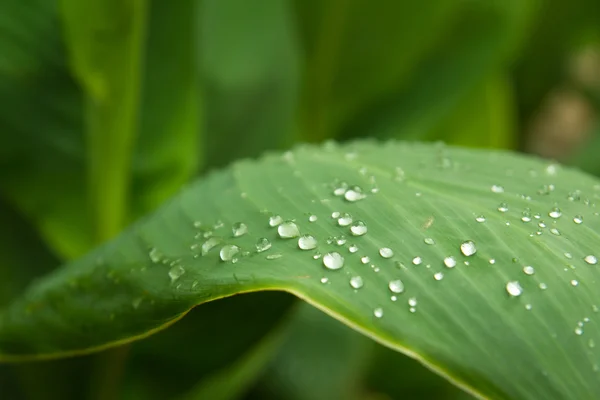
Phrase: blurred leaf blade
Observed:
(465, 325)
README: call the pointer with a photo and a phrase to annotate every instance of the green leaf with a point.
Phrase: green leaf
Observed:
(537, 342)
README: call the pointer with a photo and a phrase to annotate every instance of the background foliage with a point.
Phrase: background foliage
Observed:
(107, 107)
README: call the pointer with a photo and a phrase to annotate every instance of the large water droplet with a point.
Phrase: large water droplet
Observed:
(591, 259)
(396, 286)
(386, 252)
(209, 244)
(333, 260)
(288, 230)
(358, 228)
(356, 282)
(555, 213)
(262, 244)
(514, 288)
(468, 248)
(176, 272)
(275, 220)
(378, 312)
(239, 229)
(307, 242)
(450, 262)
(228, 252)
(528, 270)
(345, 219)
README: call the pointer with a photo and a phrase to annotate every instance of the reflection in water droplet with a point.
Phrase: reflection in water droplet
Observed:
(356, 282)
(555, 213)
(528, 270)
(307, 242)
(386, 252)
(228, 252)
(262, 244)
(578, 219)
(514, 288)
(239, 229)
(358, 228)
(396, 286)
(275, 220)
(591, 259)
(345, 219)
(468, 248)
(333, 260)
(176, 272)
(288, 230)
(438, 276)
(378, 312)
(450, 262)
(429, 241)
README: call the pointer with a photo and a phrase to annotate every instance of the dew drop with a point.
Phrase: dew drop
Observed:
(417, 260)
(574, 282)
(335, 214)
(386, 252)
(480, 218)
(340, 189)
(412, 302)
(555, 213)
(438, 276)
(345, 219)
(209, 244)
(579, 331)
(356, 282)
(262, 244)
(365, 259)
(307, 242)
(239, 229)
(503, 207)
(333, 260)
(354, 194)
(274, 256)
(591, 259)
(526, 216)
(316, 256)
(154, 255)
(396, 286)
(450, 262)
(555, 232)
(324, 280)
(528, 307)
(429, 241)
(393, 298)
(578, 219)
(543, 286)
(378, 312)
(492, 261)
(528, 270)
(176, 272)
(288, 230)
(497, 189)
(353, 248)
(275, 220)
(312, 218)
(468, 248)
(514, 288)
(358, 228)
(228, 252)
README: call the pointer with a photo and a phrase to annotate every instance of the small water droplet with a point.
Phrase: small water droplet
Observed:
(333, 260)
(579, 331)
(262, 244)
(378, 312)
(335, 214)
(528, 307)
(274, 256)
(307, 242)
(228, 252)
(514, 288)
(543, 286)
(480, 218)
(386, 252)
(526, 216)
(417, 260)
(275, 220)
(497, 189)
(345, 219)
(555, 232)
(578, 219)
(555, 213)
(574, 282)
(209, 244)
(396, 286)
(312, 218)
(354, 194)
(358, 228)
(591, 259)
(353, 248)
(239, 229)
(324, 279)
(393, 298)
(176, 272)
(503, 207)
(468, 248)
(412, 302)
(528, 270)
(429, 241)
(365, 259)
(316, 256)
(288, 230)
(154, 255)
(492, 261)
(450, 262)
(356, 282)
(438, 276)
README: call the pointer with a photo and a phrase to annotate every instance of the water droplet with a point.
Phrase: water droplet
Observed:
(514, 288)
(154, 255)
(307, 242)
(353, 248)
(412, 302)
(497, 189)
(335, 214)
(528, 270)
(356, 282)
(528, 307)
(365, 259)
(239, 229)
(393, 298)
(579, 331)
(354, 194)
(468, 248)
(574, 282)
(555, 213)
(228, 252)
(275, 220)
(578, 219)
(543, 286)
(288, 230)
(345, 219)
(176, 272)
(378, 312)
(480, 218)
(316, 256)
(209, 244)
(526, 216)
(492, 261)
(340, 240)
(358, 228)
(591, 259)
(333, 260)
(262, 244)
(429, 241)
(274, 256)
(396, 286)
(438, 276)
(450, 262)
(555, 231)
(503, 207)
(386, 252)
(324, 279)
(417, 260)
